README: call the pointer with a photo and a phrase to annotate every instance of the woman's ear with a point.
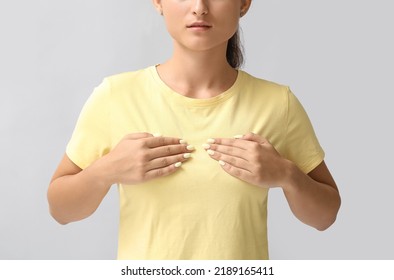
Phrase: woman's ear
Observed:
(245, 7)
(158, 7)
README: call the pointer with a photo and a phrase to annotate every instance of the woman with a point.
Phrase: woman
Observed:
(198, 191)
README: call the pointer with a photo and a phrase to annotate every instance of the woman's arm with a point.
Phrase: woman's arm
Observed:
(313, 198)
(75, 194)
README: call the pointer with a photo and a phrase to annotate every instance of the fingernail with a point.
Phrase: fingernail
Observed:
(238, 136)
(182, 141)
(222, 163)
(187, 155)
(178, 164)
(190, 148)
(156, 134)
(211, 141)
(206, 146)
(210, 152)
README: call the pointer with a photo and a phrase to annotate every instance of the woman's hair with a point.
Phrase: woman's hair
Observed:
(234, 52)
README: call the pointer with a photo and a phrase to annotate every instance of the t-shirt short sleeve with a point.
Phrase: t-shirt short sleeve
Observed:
(91, 137)
(302, 145)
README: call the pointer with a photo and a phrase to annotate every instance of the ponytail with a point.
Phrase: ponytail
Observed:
(234, 52)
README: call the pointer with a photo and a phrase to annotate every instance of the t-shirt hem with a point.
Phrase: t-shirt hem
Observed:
(312, 164)
(75, 159)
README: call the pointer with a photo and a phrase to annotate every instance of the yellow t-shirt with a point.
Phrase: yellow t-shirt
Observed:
(200, 211)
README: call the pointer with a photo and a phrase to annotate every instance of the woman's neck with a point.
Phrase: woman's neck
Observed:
(198, 74)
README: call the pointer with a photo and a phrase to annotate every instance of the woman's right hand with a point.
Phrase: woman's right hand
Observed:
(75, 194)
(139, 157)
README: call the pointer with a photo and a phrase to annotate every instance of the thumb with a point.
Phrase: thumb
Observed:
(138, 135)
(255, 138)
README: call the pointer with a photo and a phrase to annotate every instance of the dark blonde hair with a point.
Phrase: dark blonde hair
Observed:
(234, 52)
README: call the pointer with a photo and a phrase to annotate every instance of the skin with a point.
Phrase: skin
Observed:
(198, 69)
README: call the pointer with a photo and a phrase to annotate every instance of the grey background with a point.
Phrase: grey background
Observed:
(337, 56)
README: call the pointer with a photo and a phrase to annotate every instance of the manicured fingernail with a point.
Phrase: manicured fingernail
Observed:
(210, 152)
(156, 134)
(178, 164)
(211, 141)
(238, 136)
(187, 155)
(190, 148)
(222, 163)
(182, 141)
(206, 146)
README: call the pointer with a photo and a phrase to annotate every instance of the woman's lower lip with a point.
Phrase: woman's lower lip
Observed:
(199, 28)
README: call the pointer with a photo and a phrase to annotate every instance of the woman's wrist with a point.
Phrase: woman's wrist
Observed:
(99, 174)
(292, 176)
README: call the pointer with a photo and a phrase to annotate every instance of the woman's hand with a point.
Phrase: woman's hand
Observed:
(250, 158)
(313, 198)
(139, 157)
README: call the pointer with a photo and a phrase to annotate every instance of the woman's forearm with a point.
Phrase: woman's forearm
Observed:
(75, 197)
(312, 202)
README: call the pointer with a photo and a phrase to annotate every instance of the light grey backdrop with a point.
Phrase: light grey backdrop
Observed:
(336, 55)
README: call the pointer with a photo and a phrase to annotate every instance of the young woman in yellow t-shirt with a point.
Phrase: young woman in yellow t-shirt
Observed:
(204, 64)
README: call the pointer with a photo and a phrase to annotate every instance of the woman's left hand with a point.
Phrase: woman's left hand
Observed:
(250, 158)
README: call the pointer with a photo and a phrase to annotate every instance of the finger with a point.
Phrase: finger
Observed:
(163, 141)
(255, 138)
(239, 143)
(228, 150)
(164, 171)
(232, 160)
(237, 172)
(166, 161)
(169, 150)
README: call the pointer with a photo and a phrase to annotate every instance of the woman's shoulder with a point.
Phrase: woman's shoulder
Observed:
(130, 77)
(262, 85)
